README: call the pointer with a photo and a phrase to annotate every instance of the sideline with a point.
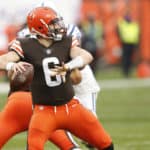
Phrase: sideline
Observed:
(104, 84)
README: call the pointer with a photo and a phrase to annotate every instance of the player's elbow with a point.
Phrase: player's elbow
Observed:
(89, 58)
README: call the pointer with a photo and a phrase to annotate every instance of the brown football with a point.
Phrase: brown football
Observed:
(21, 78)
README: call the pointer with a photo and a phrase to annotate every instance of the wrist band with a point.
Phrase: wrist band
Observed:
(9, 66)
(75, 63)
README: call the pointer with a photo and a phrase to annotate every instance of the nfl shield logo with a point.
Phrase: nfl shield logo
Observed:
(48, 51)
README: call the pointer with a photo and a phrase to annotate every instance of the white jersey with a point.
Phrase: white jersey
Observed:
(23, 33)
(74, 31)
(88, 82)
(87, 90)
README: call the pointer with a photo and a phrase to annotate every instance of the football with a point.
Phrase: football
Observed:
(21, 78)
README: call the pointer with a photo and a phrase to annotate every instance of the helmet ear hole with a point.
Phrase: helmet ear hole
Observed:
(40, 28)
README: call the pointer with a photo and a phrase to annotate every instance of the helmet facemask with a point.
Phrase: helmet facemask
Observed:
(56, 29)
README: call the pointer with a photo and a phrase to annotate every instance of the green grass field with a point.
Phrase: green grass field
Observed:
(125, 114)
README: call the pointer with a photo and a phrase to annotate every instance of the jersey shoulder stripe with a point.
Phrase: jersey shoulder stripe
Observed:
(16, 46)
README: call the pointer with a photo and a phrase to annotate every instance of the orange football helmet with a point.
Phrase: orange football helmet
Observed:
(45, 22)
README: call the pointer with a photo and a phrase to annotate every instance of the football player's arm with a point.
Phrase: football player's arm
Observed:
(80, 52)
(7, 58)
(10, 60)
(80, 58)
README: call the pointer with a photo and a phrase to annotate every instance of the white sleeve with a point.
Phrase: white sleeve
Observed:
(88, 82)
(23, 33)
(74, 31)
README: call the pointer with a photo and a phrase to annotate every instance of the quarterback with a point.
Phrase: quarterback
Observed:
(54, 55)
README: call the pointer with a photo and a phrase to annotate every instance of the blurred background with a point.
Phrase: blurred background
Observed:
(117, 34)
(104, 20)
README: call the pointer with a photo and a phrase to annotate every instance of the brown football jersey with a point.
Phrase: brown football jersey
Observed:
(47, 90)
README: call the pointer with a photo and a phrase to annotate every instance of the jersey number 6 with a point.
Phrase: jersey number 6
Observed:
(47, 72)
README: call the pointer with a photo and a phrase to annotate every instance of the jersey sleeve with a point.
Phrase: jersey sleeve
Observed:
(23, 33)
(16, 46)
(73, 30)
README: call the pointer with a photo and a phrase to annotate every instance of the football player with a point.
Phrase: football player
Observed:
(53, 55)
(87, 90)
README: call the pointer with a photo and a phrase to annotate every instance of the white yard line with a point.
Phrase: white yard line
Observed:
(124, 83)
(4, 87)
(105, 84)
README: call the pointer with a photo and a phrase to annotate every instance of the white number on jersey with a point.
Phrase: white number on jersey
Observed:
(47, 72)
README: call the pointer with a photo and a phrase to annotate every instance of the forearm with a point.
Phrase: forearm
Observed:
(7, 58)
(3, 63)
(80, 58)
(77, 62)
(87, 58)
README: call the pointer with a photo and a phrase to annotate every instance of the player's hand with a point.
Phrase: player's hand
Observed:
(23, 78)
(59, 70)
(19, 67)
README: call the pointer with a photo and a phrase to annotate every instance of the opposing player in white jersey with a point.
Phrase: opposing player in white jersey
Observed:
(87, 90)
